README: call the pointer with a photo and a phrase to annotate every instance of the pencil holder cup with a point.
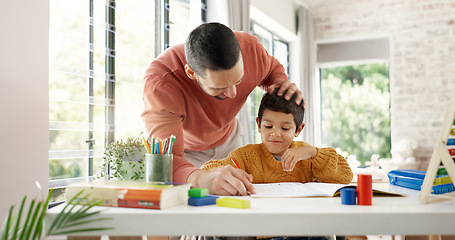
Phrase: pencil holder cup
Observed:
(158, 167)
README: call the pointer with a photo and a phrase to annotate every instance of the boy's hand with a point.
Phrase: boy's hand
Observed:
(223, 181)
(293, 155)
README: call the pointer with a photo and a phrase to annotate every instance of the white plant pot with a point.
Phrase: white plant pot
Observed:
(133, 164)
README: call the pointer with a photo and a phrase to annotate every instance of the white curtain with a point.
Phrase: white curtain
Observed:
(310, 87)
(239, 20)
(239, 15)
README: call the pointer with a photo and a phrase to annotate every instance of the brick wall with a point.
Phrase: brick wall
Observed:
(422, 57)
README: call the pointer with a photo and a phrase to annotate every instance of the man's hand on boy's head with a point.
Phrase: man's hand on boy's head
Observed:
(225, 180)
(293, 155)
(290, 89)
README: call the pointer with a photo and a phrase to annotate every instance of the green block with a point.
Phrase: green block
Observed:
(233, 203)
(198, 192)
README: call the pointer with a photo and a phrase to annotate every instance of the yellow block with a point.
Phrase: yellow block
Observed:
(233, 202)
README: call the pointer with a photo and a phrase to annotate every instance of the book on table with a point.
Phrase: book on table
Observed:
(132, 194)
(310, 189)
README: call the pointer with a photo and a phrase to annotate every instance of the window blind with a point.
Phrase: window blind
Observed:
(375, 49)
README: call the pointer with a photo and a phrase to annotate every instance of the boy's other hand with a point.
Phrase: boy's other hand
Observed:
(290, 88)
(293, 155)
(225, 180)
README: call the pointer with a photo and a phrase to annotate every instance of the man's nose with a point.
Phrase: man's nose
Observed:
(231, 92)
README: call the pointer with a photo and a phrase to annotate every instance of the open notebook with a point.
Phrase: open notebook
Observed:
(311, 189)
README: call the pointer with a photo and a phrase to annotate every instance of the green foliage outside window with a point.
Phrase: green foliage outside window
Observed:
(356, 110)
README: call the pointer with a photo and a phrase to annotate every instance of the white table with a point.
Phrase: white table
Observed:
(287, 217)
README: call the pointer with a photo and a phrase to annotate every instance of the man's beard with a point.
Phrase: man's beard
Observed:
(220, 98)
(217, 97)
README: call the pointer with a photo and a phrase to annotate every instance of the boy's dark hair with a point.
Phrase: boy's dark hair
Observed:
(275, 103)
(211, 46)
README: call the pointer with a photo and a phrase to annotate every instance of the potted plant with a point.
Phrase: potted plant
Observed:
(124, 160)
(29, 223)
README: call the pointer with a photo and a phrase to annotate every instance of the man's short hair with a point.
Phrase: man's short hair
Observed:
(275, 103)
(211, 46)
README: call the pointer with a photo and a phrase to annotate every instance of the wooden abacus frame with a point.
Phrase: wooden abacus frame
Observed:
(440, 154)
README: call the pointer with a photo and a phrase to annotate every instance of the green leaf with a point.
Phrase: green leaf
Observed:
(83, 230)
(71, 217)
(31, 227)
(18, 220)
(39, 225)
(61, 216)
(80, 223)
(27, 221)
(69, 220)
(8, 221)
(84, 209)
(66, 215)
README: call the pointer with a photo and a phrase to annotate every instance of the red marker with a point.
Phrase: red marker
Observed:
(235, 163)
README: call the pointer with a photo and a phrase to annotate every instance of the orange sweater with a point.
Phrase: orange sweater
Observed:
(328, 166)
(175, 104)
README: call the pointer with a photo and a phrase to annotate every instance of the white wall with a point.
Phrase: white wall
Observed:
(24, 100)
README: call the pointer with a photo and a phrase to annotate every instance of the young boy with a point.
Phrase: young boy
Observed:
(280, 159)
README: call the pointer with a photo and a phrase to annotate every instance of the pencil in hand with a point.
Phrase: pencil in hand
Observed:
(235, 163)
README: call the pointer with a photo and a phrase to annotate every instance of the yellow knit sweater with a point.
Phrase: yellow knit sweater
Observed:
(328, 166)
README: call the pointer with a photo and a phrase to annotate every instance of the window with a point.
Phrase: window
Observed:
(184, 16)
(355, 97)
(99, 51)
(135, 49)
(273, 45)
(279, 50)
(72, 103)
(355, 110)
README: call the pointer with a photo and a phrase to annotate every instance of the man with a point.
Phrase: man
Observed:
(195, 92)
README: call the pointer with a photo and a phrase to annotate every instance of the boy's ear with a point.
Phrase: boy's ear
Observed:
(259, 126)
(189, 72)
(299, 129)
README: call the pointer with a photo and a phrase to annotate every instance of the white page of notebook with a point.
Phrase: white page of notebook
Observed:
(296, 189)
